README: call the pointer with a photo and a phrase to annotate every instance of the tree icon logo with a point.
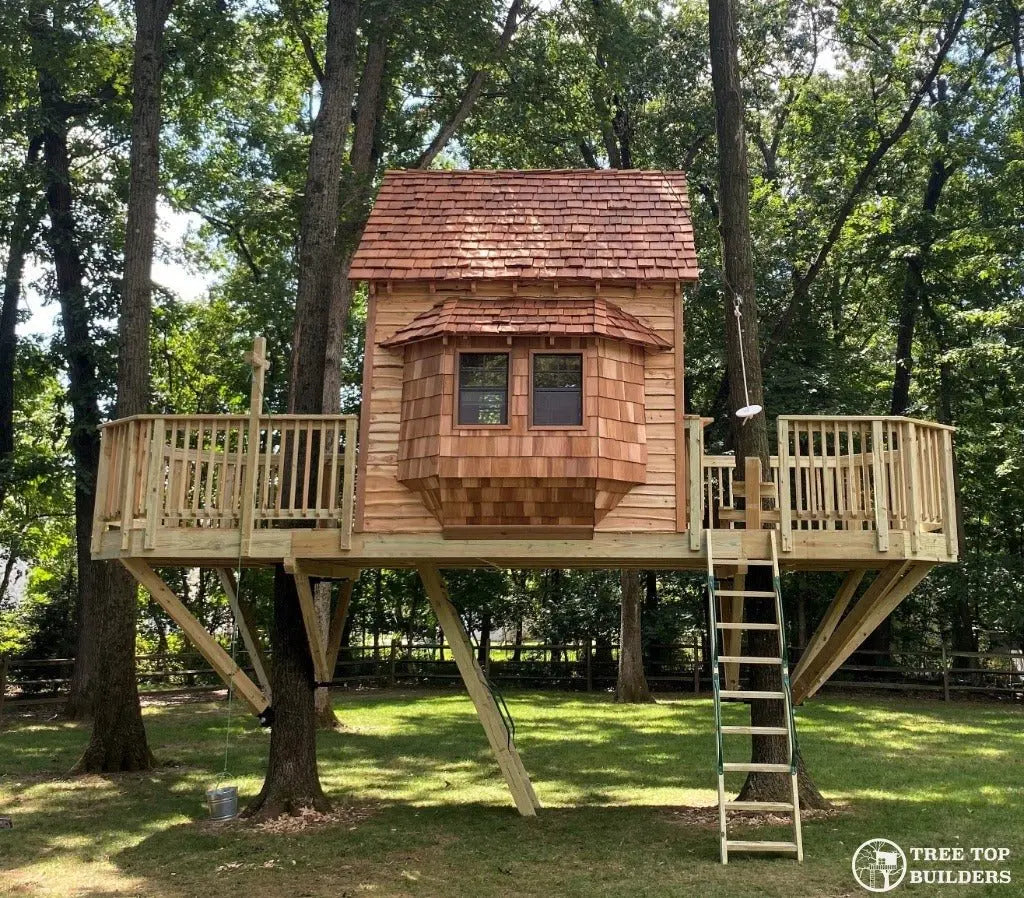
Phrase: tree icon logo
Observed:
(879, 865)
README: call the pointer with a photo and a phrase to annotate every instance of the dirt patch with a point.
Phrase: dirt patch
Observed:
(707, 817)
(308, 819)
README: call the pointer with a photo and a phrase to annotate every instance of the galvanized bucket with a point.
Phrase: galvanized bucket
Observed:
(223, 802)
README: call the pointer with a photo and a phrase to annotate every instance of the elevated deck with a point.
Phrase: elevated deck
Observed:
(219, 490)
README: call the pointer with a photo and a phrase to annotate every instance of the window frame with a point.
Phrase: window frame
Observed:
(459, 353)
(582, 426)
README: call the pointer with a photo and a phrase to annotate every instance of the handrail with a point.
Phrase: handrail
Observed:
(225, 471)
(881, 473)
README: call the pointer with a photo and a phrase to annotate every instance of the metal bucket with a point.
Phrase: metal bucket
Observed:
(223, 802)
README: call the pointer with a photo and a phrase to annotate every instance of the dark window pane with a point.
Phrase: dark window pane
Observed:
(483, 388)
(558, 389)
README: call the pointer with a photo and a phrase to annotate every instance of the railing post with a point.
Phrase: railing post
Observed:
(785, 504)
(128, 486)
(258, 360)
(695, 445)
(949, 496)
(154, 482)
(881, 495)
(908, 434)
(100, 496)
(348, 481)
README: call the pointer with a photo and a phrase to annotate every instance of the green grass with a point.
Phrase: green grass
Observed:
(615, 781)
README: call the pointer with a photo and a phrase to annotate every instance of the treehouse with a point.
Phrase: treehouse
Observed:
(522, 407)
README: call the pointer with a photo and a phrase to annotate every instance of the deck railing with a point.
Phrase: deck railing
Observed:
(850, 473)
(225, 471)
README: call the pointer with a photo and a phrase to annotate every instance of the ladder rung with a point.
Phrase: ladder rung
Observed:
(746, 593)
(750, 693)
(750, 767)
(755, 731)
(787, 847)
(747, 659)
(743, 625)
(768, 516)
(758, 806)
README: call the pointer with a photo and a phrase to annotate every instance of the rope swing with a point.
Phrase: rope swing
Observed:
(748, 411)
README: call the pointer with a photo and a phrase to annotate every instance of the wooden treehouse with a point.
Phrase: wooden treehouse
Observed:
(522, 407)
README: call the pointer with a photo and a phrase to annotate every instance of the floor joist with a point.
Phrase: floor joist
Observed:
(894, 584)
(197, 634)
(476, 684)
(247, 628)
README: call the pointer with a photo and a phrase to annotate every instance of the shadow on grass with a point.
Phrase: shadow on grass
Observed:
(608, 774)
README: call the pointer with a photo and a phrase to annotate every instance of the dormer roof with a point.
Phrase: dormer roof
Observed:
(522, 316)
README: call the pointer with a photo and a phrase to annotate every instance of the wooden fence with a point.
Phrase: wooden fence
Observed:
(670, 668)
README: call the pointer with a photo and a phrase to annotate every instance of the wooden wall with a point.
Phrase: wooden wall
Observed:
(628, 440)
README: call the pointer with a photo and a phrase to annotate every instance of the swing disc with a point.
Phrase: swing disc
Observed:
(748, 411)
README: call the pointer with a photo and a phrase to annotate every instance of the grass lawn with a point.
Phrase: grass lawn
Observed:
(426, 813)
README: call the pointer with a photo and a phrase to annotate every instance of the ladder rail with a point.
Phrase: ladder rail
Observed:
(716, 625)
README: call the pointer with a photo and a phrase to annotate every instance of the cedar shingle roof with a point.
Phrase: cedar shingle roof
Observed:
(463, 316)
(579, 224)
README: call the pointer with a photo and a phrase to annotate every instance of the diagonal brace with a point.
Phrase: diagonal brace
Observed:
(207, 646)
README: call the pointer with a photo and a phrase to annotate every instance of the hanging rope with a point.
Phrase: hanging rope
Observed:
(748, 411)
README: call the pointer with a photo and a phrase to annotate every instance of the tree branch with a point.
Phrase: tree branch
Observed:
(474, 87)
(802, 283)
(307, 45)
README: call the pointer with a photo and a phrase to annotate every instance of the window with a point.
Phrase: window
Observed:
(557, 389)
(483, 388)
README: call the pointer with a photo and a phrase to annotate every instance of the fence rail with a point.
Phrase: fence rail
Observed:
(677, 667)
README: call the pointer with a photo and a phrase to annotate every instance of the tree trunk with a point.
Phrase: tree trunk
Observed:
(118, 740)
(750, 439)
(292, 780)
(27, 213)
(631, 685)
(83, 383)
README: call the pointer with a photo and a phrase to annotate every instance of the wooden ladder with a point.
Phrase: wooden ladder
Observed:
(718, 626)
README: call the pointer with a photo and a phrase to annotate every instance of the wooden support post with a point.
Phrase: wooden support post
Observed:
(314, 633)
(155, 483)
(881, 489)
(246, 627)
(949, 496)
(785, 502)
(338, 624)
(207, 646)
(908, 436)
(945, 674)
(257, 358)
(696, 491)
(128, 485)
(830, 621)
(897, 580)
(348, 484)
(100, 498)
(486, 708)
(752, 493)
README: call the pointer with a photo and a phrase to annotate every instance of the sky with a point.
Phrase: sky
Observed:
(170, 270)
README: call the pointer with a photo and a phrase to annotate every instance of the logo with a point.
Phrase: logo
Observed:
(879, 865)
